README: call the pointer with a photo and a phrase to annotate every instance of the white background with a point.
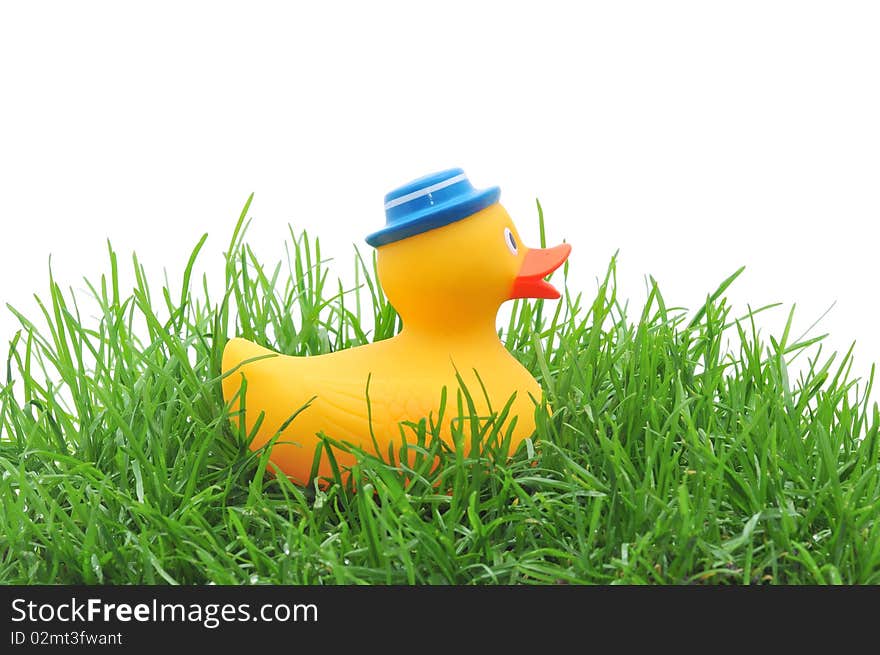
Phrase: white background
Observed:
(693, 136)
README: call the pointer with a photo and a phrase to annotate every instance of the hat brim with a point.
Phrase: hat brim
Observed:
(436, 216)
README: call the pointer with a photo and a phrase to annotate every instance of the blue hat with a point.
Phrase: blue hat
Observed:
(431, 201)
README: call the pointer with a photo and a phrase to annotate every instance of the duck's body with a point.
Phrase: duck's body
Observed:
(403, 377)
(447, 281)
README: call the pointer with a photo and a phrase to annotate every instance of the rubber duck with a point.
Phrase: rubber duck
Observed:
(448, 256)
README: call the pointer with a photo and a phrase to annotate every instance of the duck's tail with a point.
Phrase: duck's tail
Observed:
(238, 354)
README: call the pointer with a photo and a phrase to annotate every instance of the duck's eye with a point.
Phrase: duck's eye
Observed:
(510, 240)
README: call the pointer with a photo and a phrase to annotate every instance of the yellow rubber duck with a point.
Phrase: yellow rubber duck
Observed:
(448, 257)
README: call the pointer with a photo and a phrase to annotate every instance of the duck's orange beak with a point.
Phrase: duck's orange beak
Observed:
(538, 264)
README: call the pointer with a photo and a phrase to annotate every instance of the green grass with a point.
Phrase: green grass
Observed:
(669, 457)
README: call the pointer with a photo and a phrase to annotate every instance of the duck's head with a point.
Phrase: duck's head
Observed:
(450, 254)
